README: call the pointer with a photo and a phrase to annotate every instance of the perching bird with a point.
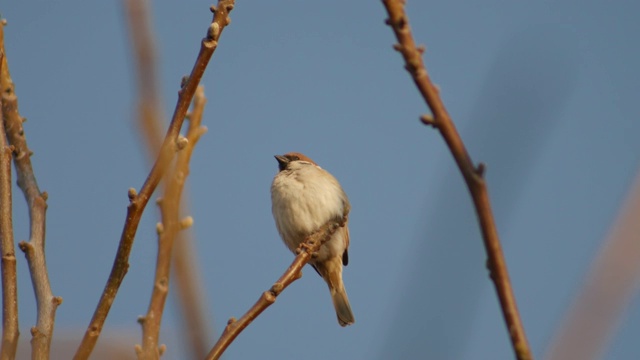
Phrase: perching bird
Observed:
(304, 197)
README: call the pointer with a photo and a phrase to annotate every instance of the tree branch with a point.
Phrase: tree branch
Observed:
(188, 291)
(306, 251)
(10, 324)
(473, 176)
(168, 230)
(34, 249)
(139, 201)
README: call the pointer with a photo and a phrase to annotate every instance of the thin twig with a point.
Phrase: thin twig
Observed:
(473, 175)
(306, 251)
(139, 201)
(167, 232)
(34, 249)
(188, 291)
(10, 324)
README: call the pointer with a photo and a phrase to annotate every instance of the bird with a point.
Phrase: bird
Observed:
(304, 197)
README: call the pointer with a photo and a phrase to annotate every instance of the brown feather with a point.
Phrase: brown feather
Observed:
(331, 272)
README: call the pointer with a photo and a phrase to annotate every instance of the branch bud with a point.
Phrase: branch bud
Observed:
(214, 31)
(132, 193)
(480, 169)
(428, 120)
(186, 223)
(184, 81)
(182, 142)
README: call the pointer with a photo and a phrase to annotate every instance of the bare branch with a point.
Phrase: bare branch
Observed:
(188, 286)
(10, 324)
(306, 251)
(34, 249)
(171, 225)
(139, 201)
(473, 175)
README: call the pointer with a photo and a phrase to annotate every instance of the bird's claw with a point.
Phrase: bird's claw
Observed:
(307, 246)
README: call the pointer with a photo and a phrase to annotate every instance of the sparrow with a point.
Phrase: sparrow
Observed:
(304, 197)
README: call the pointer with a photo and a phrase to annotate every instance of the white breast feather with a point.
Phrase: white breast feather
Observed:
(303, 201)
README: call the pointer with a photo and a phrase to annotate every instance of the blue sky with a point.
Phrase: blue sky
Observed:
(545, 93)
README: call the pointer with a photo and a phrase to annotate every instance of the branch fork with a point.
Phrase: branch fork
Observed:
(138, 201)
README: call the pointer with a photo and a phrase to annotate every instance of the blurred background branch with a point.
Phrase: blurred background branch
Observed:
(612, 281)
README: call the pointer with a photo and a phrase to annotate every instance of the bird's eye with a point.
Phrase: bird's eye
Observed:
(295, 157)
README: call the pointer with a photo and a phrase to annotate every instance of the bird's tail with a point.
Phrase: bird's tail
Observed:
(331, 271)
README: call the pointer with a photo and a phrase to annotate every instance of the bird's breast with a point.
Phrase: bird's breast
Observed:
(303, 202)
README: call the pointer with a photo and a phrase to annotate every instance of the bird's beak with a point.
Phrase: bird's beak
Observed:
(282, 161)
